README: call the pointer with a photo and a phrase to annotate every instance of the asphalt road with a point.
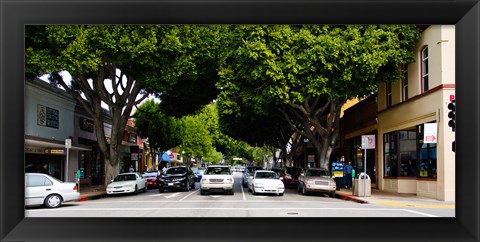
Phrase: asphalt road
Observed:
(241, 204)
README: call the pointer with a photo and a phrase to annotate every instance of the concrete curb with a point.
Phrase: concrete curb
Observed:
(91, 197)
(349, 198)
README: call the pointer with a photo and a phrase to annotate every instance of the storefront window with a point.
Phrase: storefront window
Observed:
(390, 149)
(427, 154)
(408, 154)
(400, 154)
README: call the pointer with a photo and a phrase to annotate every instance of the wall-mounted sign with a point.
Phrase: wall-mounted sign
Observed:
(86, 124)
(47, 117)
(56, 151)
(35, 150)
(430, 133)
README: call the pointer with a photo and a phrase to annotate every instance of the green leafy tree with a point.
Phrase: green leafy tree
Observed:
(134, 60)
(163, 132)
(308, 72)
(197, 141)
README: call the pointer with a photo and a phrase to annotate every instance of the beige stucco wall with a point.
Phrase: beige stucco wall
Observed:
(422, 108)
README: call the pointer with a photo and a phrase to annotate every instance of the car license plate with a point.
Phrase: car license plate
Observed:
(170, 184)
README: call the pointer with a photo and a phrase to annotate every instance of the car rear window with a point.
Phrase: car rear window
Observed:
(217, 171)
(320, 173)
(148, 174)
(128, 177)
(175, 170)
(266, 175)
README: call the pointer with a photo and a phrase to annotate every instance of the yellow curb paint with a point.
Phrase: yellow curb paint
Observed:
(396, 204)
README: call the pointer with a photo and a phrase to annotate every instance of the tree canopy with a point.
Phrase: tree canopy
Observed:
(308, 72)
(133, 60)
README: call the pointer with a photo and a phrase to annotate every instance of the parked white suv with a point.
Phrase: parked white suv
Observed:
(217, 178)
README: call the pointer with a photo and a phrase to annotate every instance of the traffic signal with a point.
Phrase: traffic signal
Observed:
(451, 115)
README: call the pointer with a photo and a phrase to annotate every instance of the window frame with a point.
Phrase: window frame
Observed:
(405, 82)
(424, 69)
(389, 94)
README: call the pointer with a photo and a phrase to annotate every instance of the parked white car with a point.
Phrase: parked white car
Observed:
(131, 182)
(217, 178)
(42, 189)
(264, 181)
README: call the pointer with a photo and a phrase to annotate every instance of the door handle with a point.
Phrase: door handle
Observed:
(48, 189)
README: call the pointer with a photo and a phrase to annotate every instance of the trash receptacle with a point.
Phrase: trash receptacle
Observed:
(362, 185)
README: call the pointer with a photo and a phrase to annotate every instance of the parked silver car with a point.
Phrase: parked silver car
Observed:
(42, 189)
(316, 180)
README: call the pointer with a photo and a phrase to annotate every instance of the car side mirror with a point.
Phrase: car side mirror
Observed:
(111, 180)
(281, 178)
(302, 174)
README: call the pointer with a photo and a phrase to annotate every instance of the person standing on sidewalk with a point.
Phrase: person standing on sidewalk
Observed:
(347, 174)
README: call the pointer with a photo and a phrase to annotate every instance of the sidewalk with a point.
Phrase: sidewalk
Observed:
(91, 192)
(394, 199)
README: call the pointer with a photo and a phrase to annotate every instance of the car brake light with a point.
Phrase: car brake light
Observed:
(75, 188)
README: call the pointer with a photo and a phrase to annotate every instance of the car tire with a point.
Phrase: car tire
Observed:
(136, 190)
(253, 191)
(187, 186)
(280, 194)
(304, 191)
(232, 192)
(161, 190)
(298, 188)
(53, 201)
(332, 194)
(145, 189)
(202, 192)
(193, 185)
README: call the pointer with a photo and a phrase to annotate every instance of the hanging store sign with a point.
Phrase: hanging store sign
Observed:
(430, 133)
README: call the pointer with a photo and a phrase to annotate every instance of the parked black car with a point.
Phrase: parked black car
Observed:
(176, 178)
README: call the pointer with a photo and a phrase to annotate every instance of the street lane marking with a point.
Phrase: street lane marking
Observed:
(64, 209)
(196, 201)
(173, 195)
(243, 193)
(397, 204)
(190, 194)
(420, 213)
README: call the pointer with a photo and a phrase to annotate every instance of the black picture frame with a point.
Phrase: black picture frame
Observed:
(465, 14)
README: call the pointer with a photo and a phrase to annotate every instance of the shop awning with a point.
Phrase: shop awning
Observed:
(46, 143)
(166, 157)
